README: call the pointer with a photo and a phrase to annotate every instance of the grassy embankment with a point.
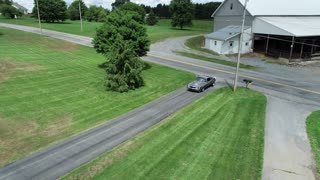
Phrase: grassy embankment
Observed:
(221, 136)
(156, 33)
(52, 89)
(313, 130)
(197, 44)
(214, 60)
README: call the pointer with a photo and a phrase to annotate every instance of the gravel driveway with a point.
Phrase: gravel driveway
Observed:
(287, 152)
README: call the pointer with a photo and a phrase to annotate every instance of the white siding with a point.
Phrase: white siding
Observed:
(214, 45)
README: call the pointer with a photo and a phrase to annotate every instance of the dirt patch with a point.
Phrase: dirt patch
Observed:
(280, 61)
(58, 45)
(5, 68)
(19, 138)
(50, 43)
(29, 67)
(13, 137)
(8, 66)
(57, 127)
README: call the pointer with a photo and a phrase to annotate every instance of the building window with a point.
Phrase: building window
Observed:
(231, 6)
(230, 43)
(247, 43)
(215, 43)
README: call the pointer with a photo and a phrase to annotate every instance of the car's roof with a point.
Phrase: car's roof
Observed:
(203, 76)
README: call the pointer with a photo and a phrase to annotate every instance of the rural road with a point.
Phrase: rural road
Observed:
(59, 159)
(287, 150)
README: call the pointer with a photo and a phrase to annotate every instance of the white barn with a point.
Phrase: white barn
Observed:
(226, 40)
(287, 28)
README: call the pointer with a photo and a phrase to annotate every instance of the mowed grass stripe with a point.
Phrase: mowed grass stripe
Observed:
(221, 136)
(59, 91)
(312, 124)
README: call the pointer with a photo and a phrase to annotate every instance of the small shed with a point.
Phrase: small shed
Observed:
(226, 40)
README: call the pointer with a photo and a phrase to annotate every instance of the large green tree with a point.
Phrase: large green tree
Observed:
(151, 19)
(73, 10)
(118, 3)
(130, 6)
(182, 13)
(97, 14)
(51, 10)
(122, 40)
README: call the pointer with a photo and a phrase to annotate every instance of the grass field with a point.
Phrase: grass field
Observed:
(156, 33)
(52, 89)
(209, 59)
(221, 136)
(313, 124)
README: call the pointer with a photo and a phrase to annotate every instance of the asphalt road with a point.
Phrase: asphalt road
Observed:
(285, 96)
(59, 159)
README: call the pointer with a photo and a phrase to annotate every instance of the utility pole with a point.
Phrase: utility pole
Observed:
(240, 46)
(39, 17)
(80, 16)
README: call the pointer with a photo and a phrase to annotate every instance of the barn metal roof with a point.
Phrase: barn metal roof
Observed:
(288, 26)
(280, 7)
(225, 33)
(283, 7)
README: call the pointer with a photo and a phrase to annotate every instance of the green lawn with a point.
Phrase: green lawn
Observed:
(163, 30)
(156, 33)
(313, 130)
(221, 136)
(68, 26)
(209, 59)
(52, 89)
(197, 43)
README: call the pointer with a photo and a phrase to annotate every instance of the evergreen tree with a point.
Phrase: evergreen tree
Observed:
(122, 40)
(123, 68)
(130, 6)
(151, 19)
(118, 3)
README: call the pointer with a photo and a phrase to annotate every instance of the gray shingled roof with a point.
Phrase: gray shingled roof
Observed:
(225, 33)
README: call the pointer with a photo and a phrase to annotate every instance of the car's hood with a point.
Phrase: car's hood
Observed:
(195, 84)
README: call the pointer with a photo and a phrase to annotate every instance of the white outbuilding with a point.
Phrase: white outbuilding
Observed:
(286, 28)
(226, 40)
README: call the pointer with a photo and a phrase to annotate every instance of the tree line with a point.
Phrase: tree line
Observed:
(200, 10)
(57, 10)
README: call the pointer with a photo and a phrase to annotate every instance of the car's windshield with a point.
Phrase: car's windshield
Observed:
(200, 79)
